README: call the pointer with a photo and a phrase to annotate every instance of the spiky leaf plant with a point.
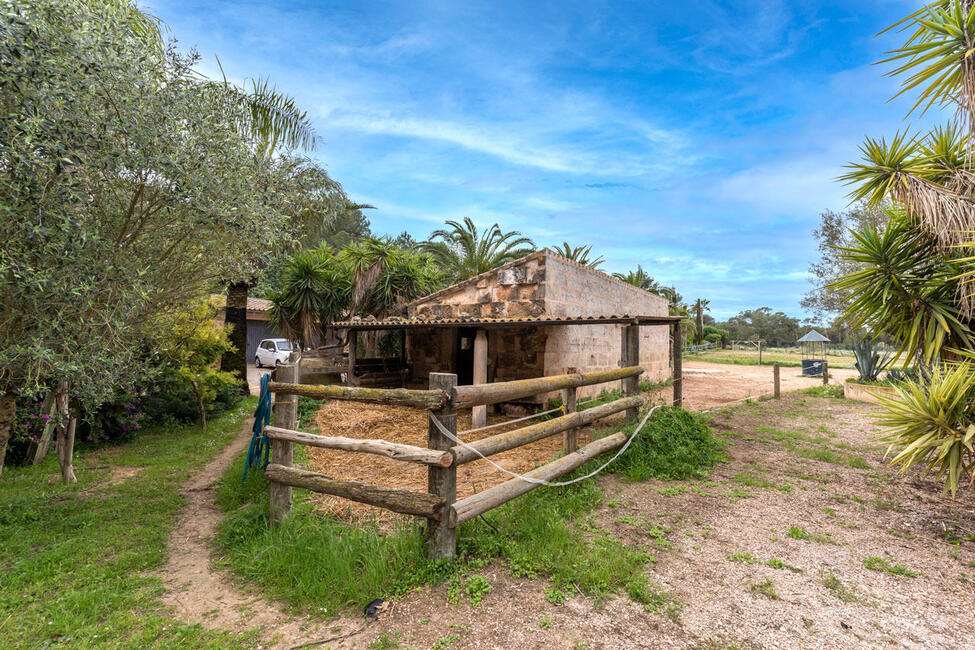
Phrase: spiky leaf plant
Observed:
(869, 361)
(933, 423)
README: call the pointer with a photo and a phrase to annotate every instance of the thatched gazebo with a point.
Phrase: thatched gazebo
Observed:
(812, 346)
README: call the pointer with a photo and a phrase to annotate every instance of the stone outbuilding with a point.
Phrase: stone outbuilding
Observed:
(532, 317)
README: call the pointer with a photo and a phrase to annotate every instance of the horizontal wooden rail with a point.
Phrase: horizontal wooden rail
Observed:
(479, 503)
(467, 396)
(430, 399)
(403, 501)
(394, 450)
(511, 439)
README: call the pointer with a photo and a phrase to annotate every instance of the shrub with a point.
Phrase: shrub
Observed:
(674, 444)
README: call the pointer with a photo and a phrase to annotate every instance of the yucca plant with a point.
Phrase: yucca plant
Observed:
(933, 423)
(869, 361)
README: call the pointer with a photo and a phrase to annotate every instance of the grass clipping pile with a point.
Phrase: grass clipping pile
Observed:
(409, 426)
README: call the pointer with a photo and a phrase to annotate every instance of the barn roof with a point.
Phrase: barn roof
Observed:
(528, 321)
(812, 336)
(253, 304)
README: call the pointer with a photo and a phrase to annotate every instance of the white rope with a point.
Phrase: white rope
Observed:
(538, 481)
(522, 419)
(507, 422)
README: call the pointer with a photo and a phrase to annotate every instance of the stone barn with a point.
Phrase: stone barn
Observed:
(532, 317)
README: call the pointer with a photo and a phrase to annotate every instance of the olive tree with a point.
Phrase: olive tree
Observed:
(126, 187)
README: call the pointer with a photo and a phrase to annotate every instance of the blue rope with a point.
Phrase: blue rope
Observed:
(260, 445)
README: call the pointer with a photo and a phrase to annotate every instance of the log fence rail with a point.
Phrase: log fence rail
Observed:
(442, 455)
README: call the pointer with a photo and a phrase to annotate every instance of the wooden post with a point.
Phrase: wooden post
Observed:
(285, 411)
(759, 352)
(37, 450)
(775, 379)
(479, 413)
(630, 356)
(350, 372)
(678, 367)
(825, 372)
(569, 406)
(442, 481)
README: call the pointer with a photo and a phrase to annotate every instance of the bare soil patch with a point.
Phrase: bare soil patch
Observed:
(804, 538)
(198, 593)
(711, 385)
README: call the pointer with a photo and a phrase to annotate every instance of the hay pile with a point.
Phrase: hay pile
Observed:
(409, 426)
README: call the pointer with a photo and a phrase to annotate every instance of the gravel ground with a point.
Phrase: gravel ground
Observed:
(713, 540)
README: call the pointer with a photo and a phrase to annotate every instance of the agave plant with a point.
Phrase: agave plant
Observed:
(933, 422)
(869, 361)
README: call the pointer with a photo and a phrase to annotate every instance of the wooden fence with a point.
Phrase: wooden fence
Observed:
(439, 504)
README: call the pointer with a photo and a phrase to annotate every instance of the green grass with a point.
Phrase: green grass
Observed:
(832, 457)
(765, 588)
(77, 559)
(832, 391)
(880, 564)
(776, 563)
(314, 561)
(744, 558)
(839, 589)
(673, 445)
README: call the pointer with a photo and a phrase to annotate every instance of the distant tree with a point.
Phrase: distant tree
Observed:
(775, 328)
(463, 252)
(405, 241)
(835, 233)
(700, 306)
(579, 254)
(642, 279)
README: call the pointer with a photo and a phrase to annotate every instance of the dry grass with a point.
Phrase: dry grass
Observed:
(409, 426)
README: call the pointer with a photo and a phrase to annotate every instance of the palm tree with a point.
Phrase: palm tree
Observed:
(641, 279)
(930, 176)
(701, 305)
(463, 252)
(579, 254)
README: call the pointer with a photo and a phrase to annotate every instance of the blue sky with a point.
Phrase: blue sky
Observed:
(699, 139)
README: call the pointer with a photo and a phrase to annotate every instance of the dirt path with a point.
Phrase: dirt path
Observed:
(198, 593)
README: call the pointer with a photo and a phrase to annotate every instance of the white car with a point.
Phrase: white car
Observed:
(271, 352)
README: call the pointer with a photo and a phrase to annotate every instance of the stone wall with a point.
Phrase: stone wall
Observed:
(542, 284)
(511, 291)
(574, 290)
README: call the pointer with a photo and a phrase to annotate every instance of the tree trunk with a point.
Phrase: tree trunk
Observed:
(8, 409)
(202, 406)
(66, 448)
(236, 315)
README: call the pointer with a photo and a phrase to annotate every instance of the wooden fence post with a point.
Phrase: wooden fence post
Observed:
(283, 451)
(775, 379)
(350, 371)
(569, 442)
(630, 356)
(442, 481)
(479, 412)
(678, 366)
(825, 372)
(759, 352)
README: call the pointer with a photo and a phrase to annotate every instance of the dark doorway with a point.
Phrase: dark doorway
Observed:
(464, 355)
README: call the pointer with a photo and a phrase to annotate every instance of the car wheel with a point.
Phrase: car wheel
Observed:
(257, 362)
(277, 362)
